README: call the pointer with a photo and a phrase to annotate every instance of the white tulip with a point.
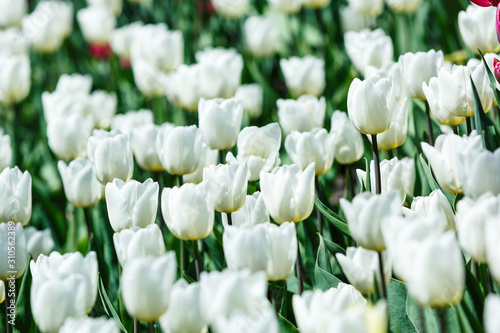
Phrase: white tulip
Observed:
(96, 23)
(369, 48)
(13, 250)
(38, 242)
(12, 12)
(128, 122)
(15, 196)
(220, 122)
(253, 212)
(316, 4)
(138, 243)
(304, 76)
(395, 136)
(348, 143)
(148, 78)
(477, 170)
(434, 204)
(208, 157)
(404, 6)
(418, 68)
(12, 41)
(286, 6)
(302, 115)
(491, 308)
(5, 150)
(477, 28)
(68, 135)
(102, 105)
(114, 5)
(74, 84)
(351, 20)
(261, 36)
(251, 97)
(231, 9)
(245, 248)
(121, 39)
(15, 78)
(368, 7)
(145, 153)
(88, 324)
(264, 322)
(81, 186)
(281, 250)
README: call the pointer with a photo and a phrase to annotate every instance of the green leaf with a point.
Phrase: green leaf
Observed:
(368, 178)
(484, 126)
(286, 326)
(333, 247)
(323, 277)
(433, 185)
(109, 306)
(398, 318)
(333, 218)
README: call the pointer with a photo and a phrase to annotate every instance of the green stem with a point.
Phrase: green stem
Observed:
(182, 255)
(442, 320)
(319, 216)
(229, 219)
(159, 178)
(298, 267)
(151, 327)
(422, 318)
(197, 260)
(136, 325)
(88, 215)
(376, 162)
(382, 275)
(222, 155)
(469, 125)
(429, 123)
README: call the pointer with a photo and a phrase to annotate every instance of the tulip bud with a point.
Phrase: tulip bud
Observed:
(132, 203)
(395, 136)
(251, 97)
(220, 122)
(418, 68)
(110, 154)
(188, 211)
(68, 135)
(228, 185)
(96, 23)
(148, 78)
(146, 284)
(103, 106)
(443, 158)
(404, 6)
(81, 186)
(15, 196)
(304, 76)
(15, 84)
(315, 147)
(286, 6)
(121, 40)
(369, 48)
(434, 204)
(14, 254)
(12, 12)
(259, 148)
(5, 150)
(88, 324)
(245, 248)
(145, 153)
(365, 215)
(438, 273)
(126, 123)
(253, 212)
(261, 36)
(361, 267)
(231, 9)
(476, 170)
(302, 115)
(38, 242)
(295, 200)
(208, 157)
(179, 148)
(477, 28)
(185, 86)
(371, 105)
(281, 250)
(351, 20)
(368, 7)
(186, 315)
(348, 143)
(138, 243)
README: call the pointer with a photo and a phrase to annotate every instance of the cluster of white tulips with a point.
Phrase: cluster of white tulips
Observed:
(237, 195)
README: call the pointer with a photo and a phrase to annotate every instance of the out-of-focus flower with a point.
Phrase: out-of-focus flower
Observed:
(259, 147)
(74, 84)
(395, 136)
(5, 150)
(395, 174)
(220, 122)
(228, 185)
(253, 212)
(491, 309)
(12, 12)
(286, 6)
(188, 211)
(316, 147)
(145, 153)
(88, 324)
(231, 8)
(443, 158)
(128, 122)
(477, 28)
(348, 142)
(369, 48)
(368, 7)
(302, 115)
(496, 70)
(2, 291)
(245, 248)
(264, 321)
(38, 242)
(316, 4)
(476, 170)
(186, 315)
(145, 285)
(148, 78)
(434, 204)
(361, 266)
(68, 135)
(188, 84)
(365, 215)
(15, 196)
(370, 104)
(113, 5)
(351, 20)
(404, 6)
(179, 148)
(81, 186)
(261, 36)
(96, 23)
(288, 192)
(14, 258)
(304, 76)
(131, 203)
(110, 154)
(12, 41)
(15, 78)
(102, 105)
(281, 250)
(251, 97)
(492, 244)
(208, 157)
(121, 40)
(137, 243)
(418, 68)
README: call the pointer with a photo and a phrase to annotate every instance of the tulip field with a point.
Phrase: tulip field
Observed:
(249, 166)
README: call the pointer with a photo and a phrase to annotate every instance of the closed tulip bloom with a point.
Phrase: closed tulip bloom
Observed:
(263, 322)
(60, 266)
(59, 104)
(113, 5)
(476, 170)
(302, 115)
(121, 39)
(418, 68)
(492, 244)
(103, 107)
(369, 48)
(38, 242)
(365, 215)
(395, 136)
(245, 248)
(404, 6)
(12, 12)
(352, 20)
(253, 212)
(208, 157)
(188, 211)
(148, 78)
(316, 147)
(361, 266)
(145, 153)
(348, 143)
(434, 204)
(81, 186)
(15, 196)
(74, 84)
(281, 250)
(288, 192)
(251, 97)
(131, 203)
(371, 105)
(187, 84)
(367, 7)
(261, 36)
(228, 185)
(12, 41)
(304, 76)
(88, 324)
(68, 135)
(8, 268)
(443, 158)
(491, 308)
(15, 78)
(96, 23)
(232, 9)
(146, 284)
(186, 315)
(478, 29)
(438, 274)
(286, 6)
(5, 150)
(259, 147)
(137, 243)
(128, 122)
(220, 122)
